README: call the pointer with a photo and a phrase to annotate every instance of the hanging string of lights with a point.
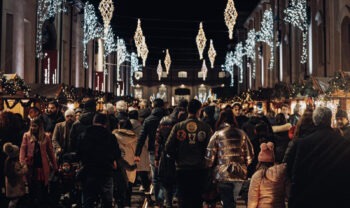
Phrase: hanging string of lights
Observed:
(122, 53)
(211, 53)
(138, 37)
(230, 15)
(159, 70)
(204, 70)
(167, 61)
(201, 40)
(135, 66)
(250, 49)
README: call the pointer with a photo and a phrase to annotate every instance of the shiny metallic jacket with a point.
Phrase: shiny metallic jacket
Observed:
(229, 152)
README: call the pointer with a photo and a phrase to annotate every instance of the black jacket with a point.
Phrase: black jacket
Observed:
(50, 121)
(79, 127)
(318, 166)
(149, 129)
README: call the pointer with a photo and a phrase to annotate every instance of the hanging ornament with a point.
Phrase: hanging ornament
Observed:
(266, 34)
(211, 54)
(109, 42)
(159, 69)
(201, 41)
(238, 60)
(144, 51)
(296, 14)
(122, 53)
(250, 49)
(204, 70)
(167, 61)
(228, 67)
(230, 17)
(106, 8)
(138, 37)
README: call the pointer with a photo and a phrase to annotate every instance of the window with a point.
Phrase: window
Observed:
(200, 74)
(182, 74)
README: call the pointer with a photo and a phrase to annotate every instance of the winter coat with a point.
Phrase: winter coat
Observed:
(14, 178)
(281, 139)
(79, 127)
(61, 138)
(127, 143)
(50, 121)
(144, 164)
(26, 155)
(269, 191)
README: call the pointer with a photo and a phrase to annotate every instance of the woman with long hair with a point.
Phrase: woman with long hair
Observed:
(305, 125)
(226, 118)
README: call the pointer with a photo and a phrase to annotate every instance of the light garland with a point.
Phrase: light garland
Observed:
(266, 34)
(122, 54)
(204, 70)
(167, 61)
(91, 28)
(212, 54)
(250, 49)
(230, 17)
(144, 51)
(159, 70)
(296, 14)
(201, 40)
(109, 42)
(135, 66)
(138, 37)
(238, 60)
(228, 67)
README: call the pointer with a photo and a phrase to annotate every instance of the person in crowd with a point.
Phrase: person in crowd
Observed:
(343, 123)
(305, 125)
(318, 166)
(226, 118)
(281, 137)
(271, 116)
(230, 152)
(294, 118)
(187, 144)
(98, 153)
(269, 184)
(37, 153)
(237, 112)
(144, 110)
(149, 129)
(208, 116)
(112, 120)
(122, 114)
(85, 120)
(77, 112)
(285, 110)
(52, 116)
(61, 135)
(14, 175)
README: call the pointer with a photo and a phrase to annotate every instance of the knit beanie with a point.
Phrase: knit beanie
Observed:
(266, 152)
(69, 112)
(11, 150)
(121, 106)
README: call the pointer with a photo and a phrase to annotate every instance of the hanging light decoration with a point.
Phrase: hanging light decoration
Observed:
(266, 34)
(106, 8)
(144, 51)
(228, 67)
(296, 14)
(204, 70)
(201, 41)
(109, 42)
(211, 54)
(159, 69)
(135, 66)
(238, 60)
(230, 17)
(138, 37)
(250, 49)
(122, 53)
(167, 61)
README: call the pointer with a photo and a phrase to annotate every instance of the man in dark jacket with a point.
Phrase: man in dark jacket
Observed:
(318, 166)
(98, 152)
(149, 129)
(52, 116)
(343, 123)
(187, 144)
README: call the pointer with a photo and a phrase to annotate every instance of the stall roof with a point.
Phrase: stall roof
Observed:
(322, 83)
(46, 90)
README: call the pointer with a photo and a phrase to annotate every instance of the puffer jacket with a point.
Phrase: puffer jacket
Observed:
(270, 191)
(232, 150)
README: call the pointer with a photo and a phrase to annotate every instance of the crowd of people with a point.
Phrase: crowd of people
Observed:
(194, 154)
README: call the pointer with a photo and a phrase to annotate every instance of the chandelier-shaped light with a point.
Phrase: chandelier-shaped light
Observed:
(204, 70)
(250, 49)
(109, 42)
(266, 34)
(106, 8)
(212, 54)
(228, 67)
(296, 14)
(135, 66)
(138, 37)
(230, 17)
(144, 51)
(159, 70)
(167, 61)
(122, 53)
(91, 29)
(238, 60)
(201, 41)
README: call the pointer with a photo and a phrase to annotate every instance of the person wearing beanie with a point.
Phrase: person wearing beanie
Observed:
(343, 123)
(269, 184)
(208, 116)
(14, 172)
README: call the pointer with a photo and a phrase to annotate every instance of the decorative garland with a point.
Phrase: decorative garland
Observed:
(12, 86)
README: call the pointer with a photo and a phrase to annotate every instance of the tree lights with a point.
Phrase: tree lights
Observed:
(167, 61)
(211, 54)
(250, 49)
(238, 60)
(230, 17)
(266, 34)
(201, 40)
(228, 67)
(134, 66)
(122, 53)
(109, 42)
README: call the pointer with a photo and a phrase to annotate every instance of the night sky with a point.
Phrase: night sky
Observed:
(174, 25)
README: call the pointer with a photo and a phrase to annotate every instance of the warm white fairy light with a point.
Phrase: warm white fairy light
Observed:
(92, 29)
(211, 54)
(204, 70)
(201, 40)
(106, 8)
(238, 60)
(135, 66)
(122, 53)
(250, 49)
(230, 17)
(144, 51)
(138, 37)
(266, 34)
(109, 42)
(296, 14)
(159, 70)
(228, 67)
(167, 61)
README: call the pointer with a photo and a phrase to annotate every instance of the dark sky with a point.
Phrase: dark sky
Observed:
(174, 25)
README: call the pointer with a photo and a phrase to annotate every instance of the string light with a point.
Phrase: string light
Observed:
(238, 60)
(230, 17)
(122, 53)
(211, 54)
(167, 61)
(92, 29)
(106, 8)
(159, 69)
(204, 70)
(266, 34)
(109, 42)
(201, 41)
(135, 66)
(144, 51)
(228, 67)
(250, 49)
(138, 37)
(296, 14)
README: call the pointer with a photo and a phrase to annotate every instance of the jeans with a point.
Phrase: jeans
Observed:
(158, 190)
(92, 187)
(229, 192)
